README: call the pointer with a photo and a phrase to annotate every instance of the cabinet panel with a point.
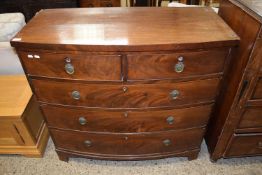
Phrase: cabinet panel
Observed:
(128, 144)
(82, 119)
(9, 135)
(246, 144)
(126, 96)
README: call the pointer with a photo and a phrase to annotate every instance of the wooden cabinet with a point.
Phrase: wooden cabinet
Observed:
(99, 3)
(117, 88)
(23, 130)
(236, 126)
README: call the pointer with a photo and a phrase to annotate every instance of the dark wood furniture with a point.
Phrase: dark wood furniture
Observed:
(118, 88)
(235, 129)
(99, 3)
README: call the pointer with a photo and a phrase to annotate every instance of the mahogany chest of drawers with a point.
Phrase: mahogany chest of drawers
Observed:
(235, 129)
(126, 83)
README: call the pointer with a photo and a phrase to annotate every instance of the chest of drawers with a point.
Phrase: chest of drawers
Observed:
(126, 83)
(236, 127)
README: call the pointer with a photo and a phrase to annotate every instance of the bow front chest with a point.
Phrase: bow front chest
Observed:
(126, 83)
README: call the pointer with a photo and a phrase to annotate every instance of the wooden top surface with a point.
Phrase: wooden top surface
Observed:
(120, 29)
(254, 5)
(15, 94)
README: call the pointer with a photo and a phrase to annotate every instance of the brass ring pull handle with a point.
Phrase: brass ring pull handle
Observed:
(174, 94)
(69, 68)
(125, 89)
(82, 120)
(75, 95)
(179, 67)
(170, 120)
(166, 142)
(125, 114)
(88, 143)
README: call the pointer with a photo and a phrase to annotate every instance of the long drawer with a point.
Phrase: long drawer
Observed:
(251, 119)
(245, 145)
(128, 144)
(81, 66)
(125, 121)
(126, 96)
(175, 65)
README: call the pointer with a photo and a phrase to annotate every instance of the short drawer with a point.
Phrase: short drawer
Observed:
(251, 118)
(245, 145)
(125, 121)
(126, 96)
(258, 90)
(82, 66)
(175, 65)
(128, 144)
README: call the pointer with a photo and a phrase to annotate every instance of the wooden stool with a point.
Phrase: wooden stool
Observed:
(22, 128)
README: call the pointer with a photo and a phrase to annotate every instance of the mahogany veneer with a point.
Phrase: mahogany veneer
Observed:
(118, 88)
(235, 129)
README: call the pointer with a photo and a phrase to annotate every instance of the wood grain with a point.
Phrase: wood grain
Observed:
(15, 94)
(124, 74)
(64, 155)
(245, 144)
(162, 66)
(26, 135)
(239, 82)
(86, 66)
(105, 29)
(251, 119)
(258, 90)
(128, 144)
(9, 135)
(135, 96)
(125, 121)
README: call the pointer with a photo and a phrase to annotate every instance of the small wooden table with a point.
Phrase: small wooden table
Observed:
(23, 130)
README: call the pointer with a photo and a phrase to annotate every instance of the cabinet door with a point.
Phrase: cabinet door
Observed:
(9, 135)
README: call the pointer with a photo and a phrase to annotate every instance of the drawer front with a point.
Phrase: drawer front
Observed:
(258, 90)
(245, 144)
(176, 65)
(125, 121)
(252, 118)
(128, 144)
(72, 66)
(126, 96)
